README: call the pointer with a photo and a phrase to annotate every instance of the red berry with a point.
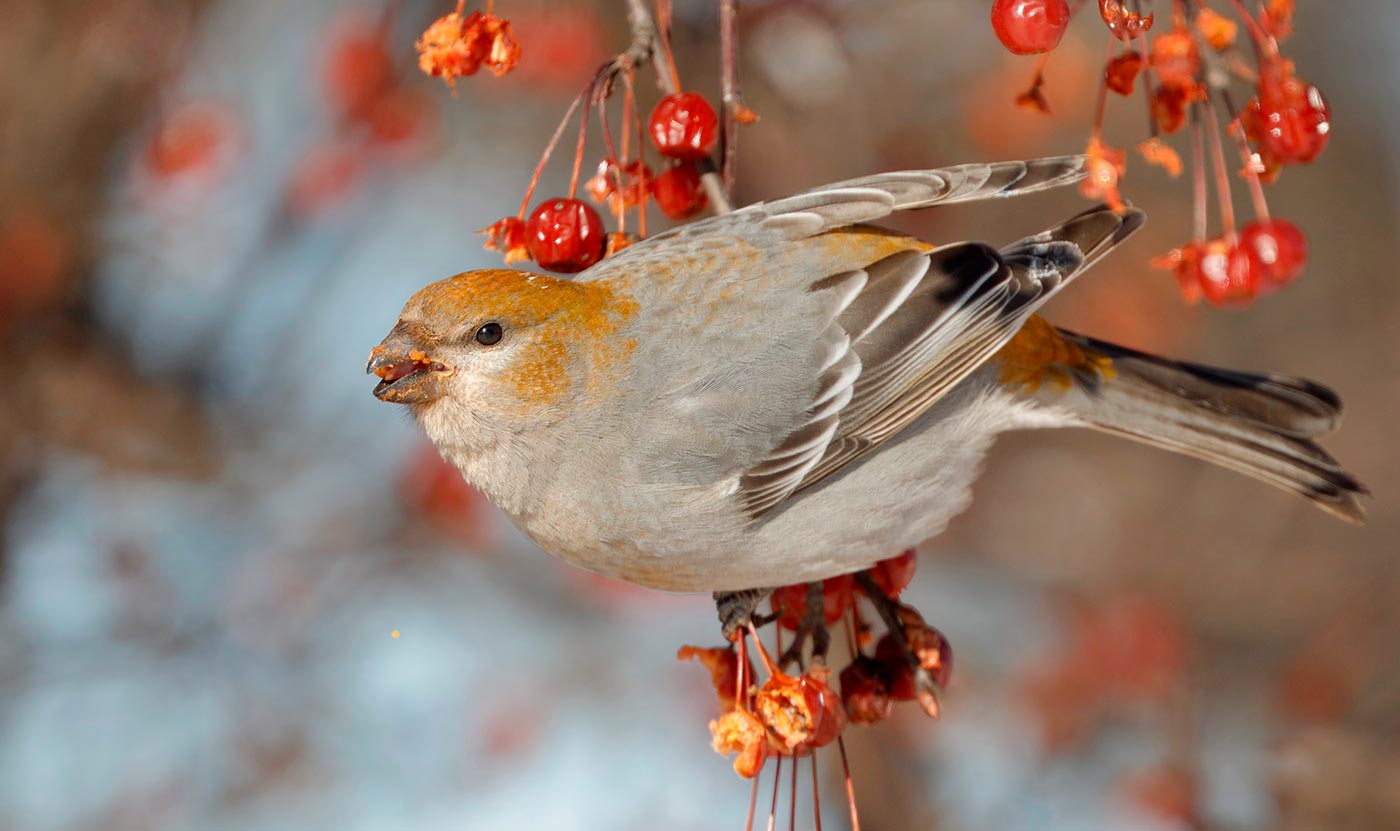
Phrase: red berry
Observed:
(895, 669)
(930, 649)
(684, 126)
(1121, 73)
(894, 574)
(565, 235)
(1289, 119)
(790, 602)
(1226, 274)
(1028, 27)
(677, 190)
(864, 692)
(1278, 249)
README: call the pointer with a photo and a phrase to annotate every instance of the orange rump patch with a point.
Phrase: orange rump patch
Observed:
(1038, 354)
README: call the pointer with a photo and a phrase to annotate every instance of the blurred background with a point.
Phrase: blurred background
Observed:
(236, 592)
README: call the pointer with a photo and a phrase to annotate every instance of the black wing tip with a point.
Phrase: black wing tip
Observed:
(1342, 498)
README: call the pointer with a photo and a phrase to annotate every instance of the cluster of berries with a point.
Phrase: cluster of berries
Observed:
(566, 234)
(793, 715)
(455, 46)
(1186, 72)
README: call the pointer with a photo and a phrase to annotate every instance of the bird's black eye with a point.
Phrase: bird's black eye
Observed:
(489, 334)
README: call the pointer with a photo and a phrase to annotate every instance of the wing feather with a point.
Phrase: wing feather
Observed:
(919, 324)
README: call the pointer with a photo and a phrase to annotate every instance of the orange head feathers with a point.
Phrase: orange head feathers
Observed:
(554, 334)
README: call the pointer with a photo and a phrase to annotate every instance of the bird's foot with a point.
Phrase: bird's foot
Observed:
(812, 625)
(923, 647)
(738, 609)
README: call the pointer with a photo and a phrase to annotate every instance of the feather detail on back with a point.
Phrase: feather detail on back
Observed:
(920, 323)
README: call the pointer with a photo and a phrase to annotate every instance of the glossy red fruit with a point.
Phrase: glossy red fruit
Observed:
(1226, 274)
(1029, 27)
(565, 235)
(678, 191)
(1278, 249)
(894, 574)
(684, 126)
(790, 602)
(1289, 119)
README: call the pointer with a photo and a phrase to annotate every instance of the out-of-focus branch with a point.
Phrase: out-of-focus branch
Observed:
(641, 50)
(729, 87)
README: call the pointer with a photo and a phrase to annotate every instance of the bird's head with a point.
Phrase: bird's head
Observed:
(499, 347)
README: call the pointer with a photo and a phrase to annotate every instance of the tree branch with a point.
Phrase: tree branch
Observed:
(641, 50)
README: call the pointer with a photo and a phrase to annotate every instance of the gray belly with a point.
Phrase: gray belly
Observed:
(894, 497)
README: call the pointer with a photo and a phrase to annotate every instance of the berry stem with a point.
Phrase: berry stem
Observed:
(850, 786)
(1200, 204)
(753, 804)
(644, 38)
(1101, 109)
(1149, 94)
(631, 103)
(1222, 173)
(762, 653)
(792, 798)
(582, 135)
(1264, 44)
(816, 795)
(773, 808)
(729, 89)
(663, 29)
(741, 700)
(1251, 164)
(549, 148)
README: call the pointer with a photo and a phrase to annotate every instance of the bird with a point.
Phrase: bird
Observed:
(789, 392)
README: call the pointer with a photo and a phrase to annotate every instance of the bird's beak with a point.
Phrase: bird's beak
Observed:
(407, 374)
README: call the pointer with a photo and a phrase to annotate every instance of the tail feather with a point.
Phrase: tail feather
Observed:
(1259, 425)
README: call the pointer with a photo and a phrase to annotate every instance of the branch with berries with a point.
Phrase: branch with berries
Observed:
(1187, 70)
(567, 234)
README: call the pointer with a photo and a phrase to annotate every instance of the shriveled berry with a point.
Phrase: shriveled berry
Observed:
(864, 692)
(677, 190)
(565, 235)
(1278, 249)
(509, 237)
(1175, 58)
(800, 712)
(1029, 27)
(684, 126)
(1121, 73)
(895, 669)
(621, 186)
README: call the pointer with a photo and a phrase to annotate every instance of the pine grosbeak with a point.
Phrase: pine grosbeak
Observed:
(783, 394)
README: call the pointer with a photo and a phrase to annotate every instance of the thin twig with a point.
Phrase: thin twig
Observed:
(643, 49)
(729, 88)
